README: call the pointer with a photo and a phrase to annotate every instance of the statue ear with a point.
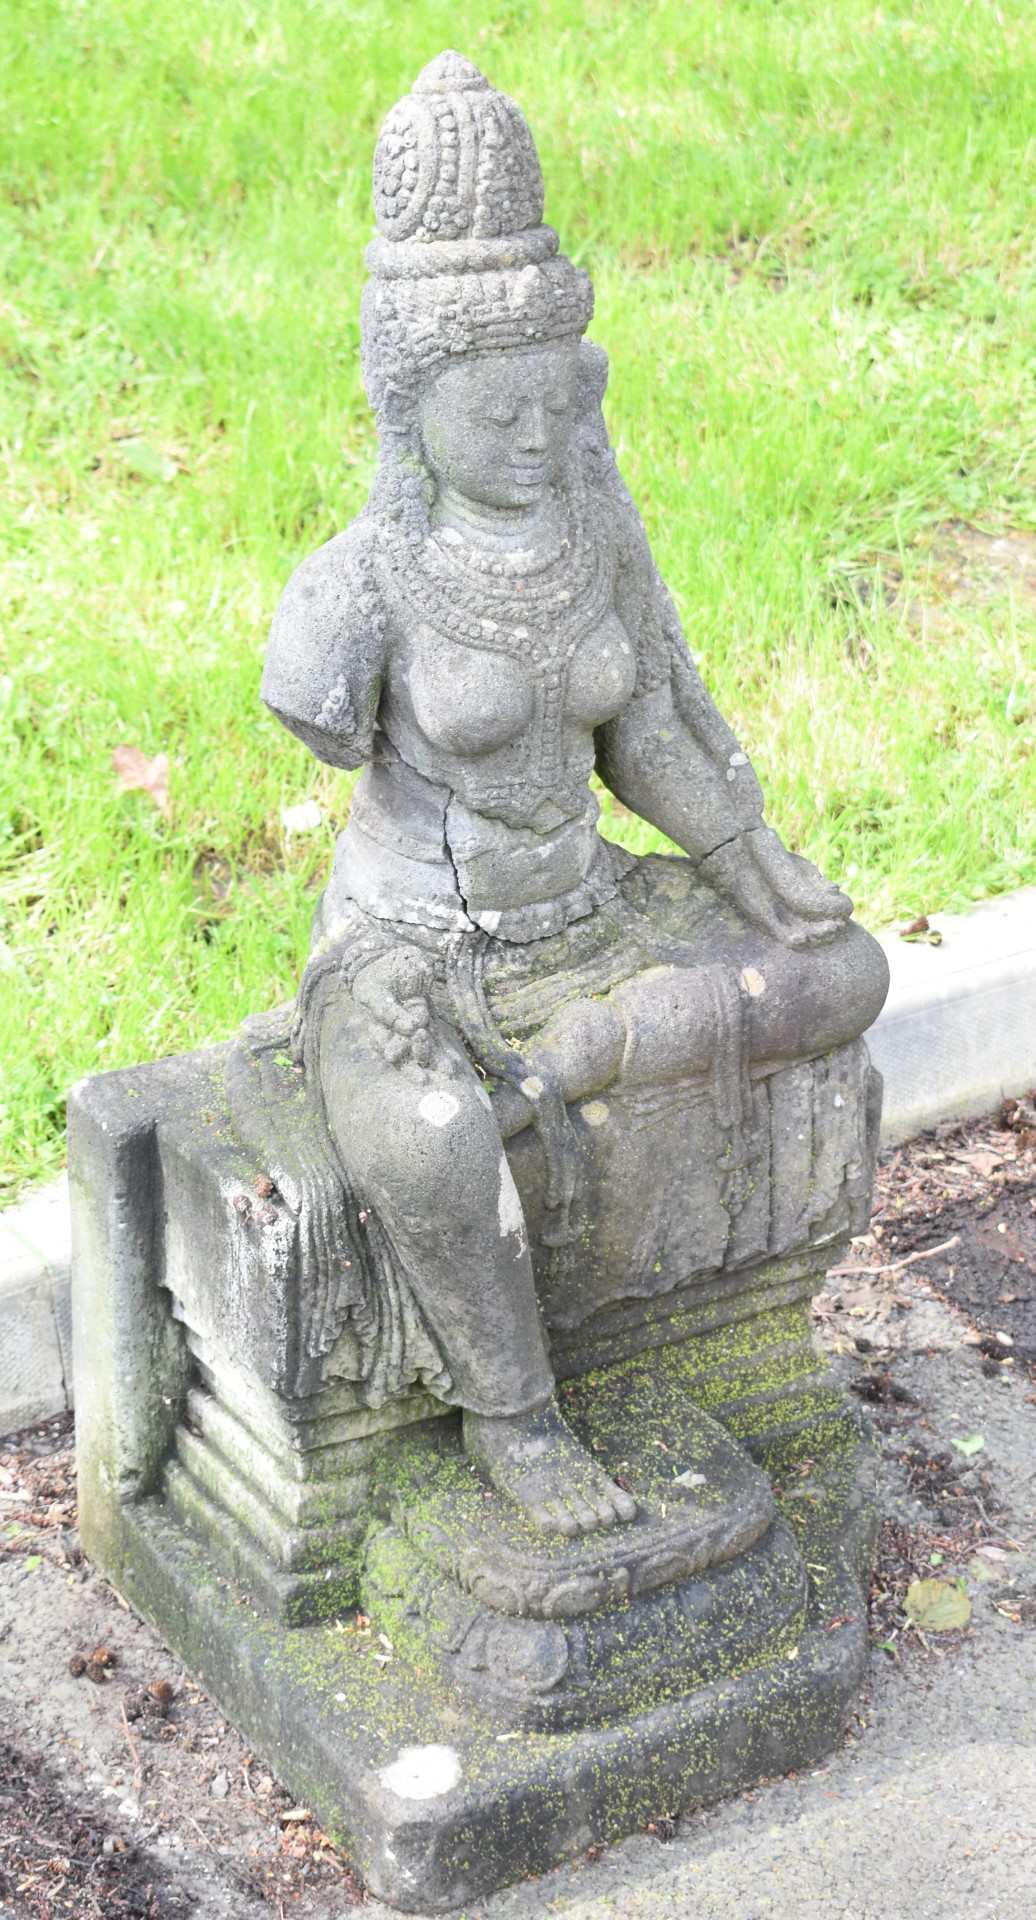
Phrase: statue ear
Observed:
(591, 433)
(397, 409)
(593, 374)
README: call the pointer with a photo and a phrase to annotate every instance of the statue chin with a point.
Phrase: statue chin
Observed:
(467, 1298)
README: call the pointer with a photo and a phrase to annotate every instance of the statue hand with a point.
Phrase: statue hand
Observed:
(777, 890)
(394, 991)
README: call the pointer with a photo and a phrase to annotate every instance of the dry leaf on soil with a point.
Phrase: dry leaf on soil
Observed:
(984, 1160)
(937, 1606)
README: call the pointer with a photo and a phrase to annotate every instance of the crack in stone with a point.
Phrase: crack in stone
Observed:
(448, 851)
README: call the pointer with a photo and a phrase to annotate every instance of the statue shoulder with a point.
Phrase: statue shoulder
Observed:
(325, 656)
(335, 586)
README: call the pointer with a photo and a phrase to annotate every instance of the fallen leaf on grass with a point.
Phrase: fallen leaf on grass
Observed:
(306, 817)
(937, 1606)
(148, 462)
(136, 773)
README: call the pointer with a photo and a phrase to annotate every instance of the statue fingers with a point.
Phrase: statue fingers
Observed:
(421, 1047)
(623, 1503)
(408, 973)
(542, 1516)
(797, 882)
(759, 904)
(374, 997)
(813, 933)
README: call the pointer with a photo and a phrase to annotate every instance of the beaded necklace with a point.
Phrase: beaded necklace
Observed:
(535, 608)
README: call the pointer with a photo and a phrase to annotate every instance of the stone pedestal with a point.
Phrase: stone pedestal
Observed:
(461, 1699)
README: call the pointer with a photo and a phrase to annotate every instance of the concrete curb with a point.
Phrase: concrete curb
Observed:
(957, 1034)
(35, 1308)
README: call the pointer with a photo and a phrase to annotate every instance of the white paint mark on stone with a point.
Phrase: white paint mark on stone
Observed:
(438, 1107)
(421, 1773)
(839, 1102)
(594, 1112)
(738, 760)
(754, 982)
(509, 1206)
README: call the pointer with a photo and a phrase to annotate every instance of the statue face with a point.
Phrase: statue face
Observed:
(496, 426)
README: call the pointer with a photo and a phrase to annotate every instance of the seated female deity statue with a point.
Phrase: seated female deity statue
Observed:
(487, 634)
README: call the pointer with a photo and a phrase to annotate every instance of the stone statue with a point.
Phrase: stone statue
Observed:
(471, 1290)
(486, 634)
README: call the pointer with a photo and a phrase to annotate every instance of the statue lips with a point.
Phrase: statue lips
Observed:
(529, 474)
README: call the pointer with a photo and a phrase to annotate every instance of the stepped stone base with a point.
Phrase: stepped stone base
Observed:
(435, 1805)
(461, 1700)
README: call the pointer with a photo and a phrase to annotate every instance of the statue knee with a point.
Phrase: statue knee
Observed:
(805, 1002)
(853, 979)
(434, 1142)
(841, 990)
(870, 976)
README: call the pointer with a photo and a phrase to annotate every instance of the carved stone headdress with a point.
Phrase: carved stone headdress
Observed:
(463, 261)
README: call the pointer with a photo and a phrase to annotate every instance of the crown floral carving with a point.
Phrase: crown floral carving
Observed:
(463, 260)
(455, 160)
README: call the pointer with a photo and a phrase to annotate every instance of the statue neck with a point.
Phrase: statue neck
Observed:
(497, 529)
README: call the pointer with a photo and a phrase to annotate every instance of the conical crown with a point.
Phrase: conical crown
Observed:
(463, 260)
(455, 163)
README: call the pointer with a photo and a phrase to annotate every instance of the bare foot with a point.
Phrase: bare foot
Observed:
(537, 1461)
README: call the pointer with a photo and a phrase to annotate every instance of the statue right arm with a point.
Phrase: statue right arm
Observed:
(670, 757)
(325, 658)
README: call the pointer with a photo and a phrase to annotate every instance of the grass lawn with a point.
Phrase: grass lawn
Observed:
(811, 232)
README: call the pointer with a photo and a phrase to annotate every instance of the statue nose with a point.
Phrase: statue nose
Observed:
(534, 430)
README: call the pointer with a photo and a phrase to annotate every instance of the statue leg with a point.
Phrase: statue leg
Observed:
(800, 1002)
(662, 1023)
(423, 1144)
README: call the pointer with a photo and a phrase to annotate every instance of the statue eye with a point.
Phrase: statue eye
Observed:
(501, 419)
(560, 403)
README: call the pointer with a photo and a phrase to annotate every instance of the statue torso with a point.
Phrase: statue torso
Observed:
(476, 809)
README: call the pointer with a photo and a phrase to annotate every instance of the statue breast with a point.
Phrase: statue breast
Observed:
(473, 701)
